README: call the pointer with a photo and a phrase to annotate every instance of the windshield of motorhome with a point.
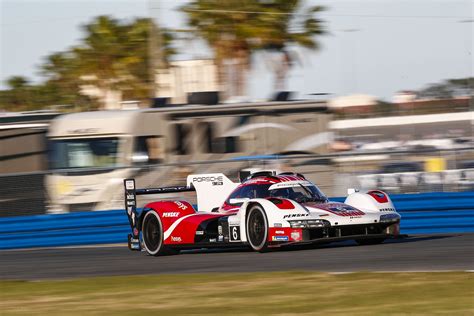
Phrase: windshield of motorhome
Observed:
(83, 153)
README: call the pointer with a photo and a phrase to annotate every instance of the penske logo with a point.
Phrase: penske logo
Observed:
(170, 214)
(294, 215)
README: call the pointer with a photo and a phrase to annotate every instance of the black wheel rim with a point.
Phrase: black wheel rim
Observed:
(152, 234)
(257, 229)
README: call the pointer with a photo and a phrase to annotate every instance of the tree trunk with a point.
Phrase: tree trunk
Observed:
(242, 66)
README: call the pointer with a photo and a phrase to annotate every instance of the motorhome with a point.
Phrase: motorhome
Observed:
(90, 153)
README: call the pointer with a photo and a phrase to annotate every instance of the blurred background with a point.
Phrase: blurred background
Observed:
(365, 94)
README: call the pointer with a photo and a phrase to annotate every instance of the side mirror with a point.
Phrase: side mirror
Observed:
(238, 201)
(352, 190)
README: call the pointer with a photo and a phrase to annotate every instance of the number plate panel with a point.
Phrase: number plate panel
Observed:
(234, 233)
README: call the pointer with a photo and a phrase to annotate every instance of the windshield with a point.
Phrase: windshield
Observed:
(299, 193)
(83, 153)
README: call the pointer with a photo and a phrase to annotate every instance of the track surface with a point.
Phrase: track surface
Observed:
(422, 253)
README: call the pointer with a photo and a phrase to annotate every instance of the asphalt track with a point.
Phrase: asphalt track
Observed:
(420, 253)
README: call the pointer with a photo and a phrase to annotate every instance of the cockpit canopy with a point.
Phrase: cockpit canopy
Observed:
(297, 189)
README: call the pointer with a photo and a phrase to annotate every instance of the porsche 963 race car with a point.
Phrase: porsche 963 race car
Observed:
(264, 211)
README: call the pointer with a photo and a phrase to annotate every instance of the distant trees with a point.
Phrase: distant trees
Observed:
(113, 55)
(122, 57)
(448, 89)
(235, 29)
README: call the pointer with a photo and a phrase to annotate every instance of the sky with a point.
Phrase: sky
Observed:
(375, 47)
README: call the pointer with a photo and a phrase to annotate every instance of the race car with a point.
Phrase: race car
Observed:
(265, 211)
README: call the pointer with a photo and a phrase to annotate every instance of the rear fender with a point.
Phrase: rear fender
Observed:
(169, 211)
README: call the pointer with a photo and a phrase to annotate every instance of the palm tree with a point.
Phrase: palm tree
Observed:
(235, 29)
(115, 56)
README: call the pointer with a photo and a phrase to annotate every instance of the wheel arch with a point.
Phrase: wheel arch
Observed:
(245, 219)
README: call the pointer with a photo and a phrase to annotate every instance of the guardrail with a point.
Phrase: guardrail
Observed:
(424, 213)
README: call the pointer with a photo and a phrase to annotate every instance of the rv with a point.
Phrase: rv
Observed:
(90, 153)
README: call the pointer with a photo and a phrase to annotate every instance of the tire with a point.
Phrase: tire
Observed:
(257, 228)
(152, 235)
(370, 241)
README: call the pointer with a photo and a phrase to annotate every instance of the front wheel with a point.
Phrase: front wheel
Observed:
(152, 235)
(370, 241)
(257, 228)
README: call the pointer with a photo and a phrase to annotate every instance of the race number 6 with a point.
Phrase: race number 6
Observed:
(234, 233)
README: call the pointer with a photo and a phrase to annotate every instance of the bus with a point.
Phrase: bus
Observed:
(90, 153)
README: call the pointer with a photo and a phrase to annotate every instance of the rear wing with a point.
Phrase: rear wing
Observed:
(131, 193)
(212, 189)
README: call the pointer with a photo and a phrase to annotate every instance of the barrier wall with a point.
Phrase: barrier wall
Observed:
(424, 213)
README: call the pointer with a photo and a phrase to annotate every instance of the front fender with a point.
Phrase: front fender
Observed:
(374, 201)
(275, 214)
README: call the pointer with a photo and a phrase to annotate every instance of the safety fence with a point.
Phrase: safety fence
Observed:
(424, 213)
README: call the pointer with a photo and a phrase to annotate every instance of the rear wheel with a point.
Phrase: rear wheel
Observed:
(370, 241)
(152, 235)
(257, 228)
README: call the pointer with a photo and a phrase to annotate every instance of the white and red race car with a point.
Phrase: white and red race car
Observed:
(266, 210)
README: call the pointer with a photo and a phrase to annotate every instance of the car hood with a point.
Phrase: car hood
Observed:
(336, 208)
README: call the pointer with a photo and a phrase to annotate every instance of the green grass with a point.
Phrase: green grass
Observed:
(283, 293)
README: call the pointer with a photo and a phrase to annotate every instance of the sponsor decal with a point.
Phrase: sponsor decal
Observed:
(279, 232)
(130, 203)
(199, 232)
(130, 185)
(219, 230)
(294, 215)
(296, 236)
(212, 240)
(177, 239)
(220, 238)
(280, 238)
(290, 184)
(388, 209)
(170, 214)
(180, 205)
(342, 208)
(277, 225)
(215, 180)
(323, 215)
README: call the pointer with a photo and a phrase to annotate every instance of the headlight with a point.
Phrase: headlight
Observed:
(312, 223)
(385, 218)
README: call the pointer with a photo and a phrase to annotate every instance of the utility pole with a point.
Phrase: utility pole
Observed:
(155, 46)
